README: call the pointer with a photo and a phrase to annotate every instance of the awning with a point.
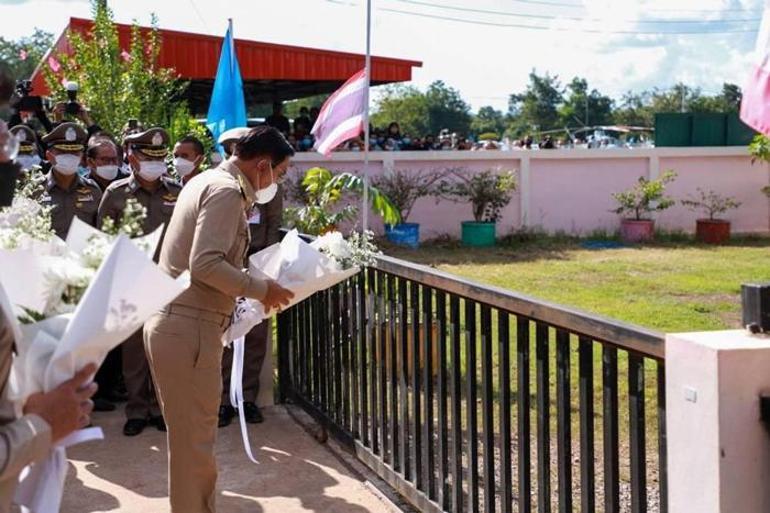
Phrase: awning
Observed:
(270, 71)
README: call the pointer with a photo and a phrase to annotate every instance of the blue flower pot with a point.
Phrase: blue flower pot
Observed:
(404, 234)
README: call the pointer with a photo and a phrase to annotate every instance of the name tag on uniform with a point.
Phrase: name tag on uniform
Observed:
(82, 199)
(255, 217)
(169, 203)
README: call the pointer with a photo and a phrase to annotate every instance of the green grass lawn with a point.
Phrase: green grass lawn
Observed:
(672, 286)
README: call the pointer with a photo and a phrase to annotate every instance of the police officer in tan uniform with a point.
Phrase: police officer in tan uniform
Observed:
(208, 236)
(157, 194)
(264, 230)
(63, 189)
(29, 150)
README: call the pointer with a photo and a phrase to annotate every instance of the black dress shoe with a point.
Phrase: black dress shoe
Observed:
(158, 422)
(226, 414)
(133, 427)
(102, 404)
(252, 414)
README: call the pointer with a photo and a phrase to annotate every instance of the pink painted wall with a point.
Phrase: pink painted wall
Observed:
(570, 191)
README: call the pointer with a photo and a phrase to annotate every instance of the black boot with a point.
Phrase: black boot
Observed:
(226, 414)
(252, 413)
(134, 427)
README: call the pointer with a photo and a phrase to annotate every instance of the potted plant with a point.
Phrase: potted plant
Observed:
(637, 203)
(488, 192)
(403, 188)
(319, 191)
(711, 230)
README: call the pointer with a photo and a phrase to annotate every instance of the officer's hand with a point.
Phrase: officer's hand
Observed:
(58, 111)
(85, 116)
(276, 296)
(68, 407)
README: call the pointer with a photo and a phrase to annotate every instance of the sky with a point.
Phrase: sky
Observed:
(484, 48)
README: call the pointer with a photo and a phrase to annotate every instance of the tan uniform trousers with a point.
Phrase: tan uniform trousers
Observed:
(141, 402)
(254, 351)
(185, 352)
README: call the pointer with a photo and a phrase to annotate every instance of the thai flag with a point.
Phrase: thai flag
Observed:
(755, 106)
(342, 116)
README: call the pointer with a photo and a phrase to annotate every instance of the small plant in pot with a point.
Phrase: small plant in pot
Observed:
(488, 192)
(711, 230)
(636, 205)
(403, 188)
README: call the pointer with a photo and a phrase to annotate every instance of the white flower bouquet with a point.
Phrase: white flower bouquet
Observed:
(69, 304)
(303, 268)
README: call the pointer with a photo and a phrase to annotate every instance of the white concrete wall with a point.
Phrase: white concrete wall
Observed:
(718, 450)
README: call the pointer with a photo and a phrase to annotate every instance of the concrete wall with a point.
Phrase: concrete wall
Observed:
(570, 190)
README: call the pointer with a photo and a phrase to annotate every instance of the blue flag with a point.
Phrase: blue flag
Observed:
(227, 108)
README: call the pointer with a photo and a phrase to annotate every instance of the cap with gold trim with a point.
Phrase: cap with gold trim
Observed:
(27, 138)
(66, 137)
(152, 143)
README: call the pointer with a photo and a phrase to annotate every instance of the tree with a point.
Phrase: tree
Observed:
(584, 108)
(23, 55)
(118, 84)
(634, 110)
(405, 105)
(488, 120)
(537, 106)
(447, 109)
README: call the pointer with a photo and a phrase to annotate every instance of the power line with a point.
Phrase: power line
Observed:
(563, 29)
(551, 17)
(580, 6)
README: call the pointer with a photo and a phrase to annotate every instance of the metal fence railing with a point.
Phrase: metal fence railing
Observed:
(466, 397)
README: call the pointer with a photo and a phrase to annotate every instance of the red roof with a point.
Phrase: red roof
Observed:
(195, 57)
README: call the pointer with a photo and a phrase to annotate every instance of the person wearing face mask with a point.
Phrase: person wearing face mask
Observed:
(28, 158)
(209, 237)
(103, 161)
(264, 230)
(188, 157)
(62, 189)
(158, 195)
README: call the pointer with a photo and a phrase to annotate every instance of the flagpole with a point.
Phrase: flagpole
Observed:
(232, 43)
(366, 112)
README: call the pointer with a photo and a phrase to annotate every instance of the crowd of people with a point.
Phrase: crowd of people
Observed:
(79, 170)
(298, 133)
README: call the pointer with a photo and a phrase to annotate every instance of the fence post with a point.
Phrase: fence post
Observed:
(718, 448)
(282, 347)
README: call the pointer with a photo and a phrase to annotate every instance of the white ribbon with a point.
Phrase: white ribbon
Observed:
(41, 486)
(236, 392)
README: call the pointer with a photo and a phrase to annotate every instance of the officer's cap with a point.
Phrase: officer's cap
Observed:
(153, 142)
(66, 137)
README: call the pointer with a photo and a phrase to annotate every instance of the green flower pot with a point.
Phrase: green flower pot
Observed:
(479, 235)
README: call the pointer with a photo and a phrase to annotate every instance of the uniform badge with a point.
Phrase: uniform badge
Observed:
(70, 135)
(169, 197)
(90, 197)
(157, 139)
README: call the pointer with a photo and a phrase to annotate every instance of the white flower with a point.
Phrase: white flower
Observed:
(66, 279)
(358, 250)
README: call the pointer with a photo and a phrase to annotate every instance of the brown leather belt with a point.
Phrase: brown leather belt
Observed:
(196, 313)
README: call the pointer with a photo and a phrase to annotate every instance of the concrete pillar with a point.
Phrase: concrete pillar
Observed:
(718, 450)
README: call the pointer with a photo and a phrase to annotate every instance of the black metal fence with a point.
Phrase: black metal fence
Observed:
(471, 398)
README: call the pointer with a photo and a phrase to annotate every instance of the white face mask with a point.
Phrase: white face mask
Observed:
(27, 162)
(107, 172)
(67, 164)
(183, 166)
(152, 170)
(267, 194)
